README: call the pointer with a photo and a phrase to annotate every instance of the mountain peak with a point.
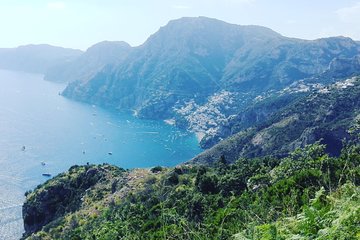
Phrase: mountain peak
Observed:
(214, 25)
(189, 33)
(193, 58)
(35, 58)
(92, 61)
(104, 45)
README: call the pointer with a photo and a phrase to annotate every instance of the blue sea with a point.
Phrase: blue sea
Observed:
(39, 125)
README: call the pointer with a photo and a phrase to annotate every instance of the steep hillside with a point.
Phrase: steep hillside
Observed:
(307, 195)
(205, 64)
(35, 58)
(69, 192)
(89, 63)
(262, 107)
(327, 113)
(280, 62)
(184, 59)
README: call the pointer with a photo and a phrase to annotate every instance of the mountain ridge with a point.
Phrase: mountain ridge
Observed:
(195, 59)
(93, 60)
(35, 58)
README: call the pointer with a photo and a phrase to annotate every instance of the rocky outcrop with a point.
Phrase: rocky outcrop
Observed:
(63, 194)
(344, 67)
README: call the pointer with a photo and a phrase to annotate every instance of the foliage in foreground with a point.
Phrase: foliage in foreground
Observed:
(307, 195)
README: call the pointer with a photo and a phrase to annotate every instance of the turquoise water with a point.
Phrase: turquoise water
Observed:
(61, 133)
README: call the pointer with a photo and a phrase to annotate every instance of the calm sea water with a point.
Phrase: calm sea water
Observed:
(61, 133)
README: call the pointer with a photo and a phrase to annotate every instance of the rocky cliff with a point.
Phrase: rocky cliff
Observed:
(66, 194)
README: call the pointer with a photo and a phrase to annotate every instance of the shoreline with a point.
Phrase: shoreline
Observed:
(199, 135)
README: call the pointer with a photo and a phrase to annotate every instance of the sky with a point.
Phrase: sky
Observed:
(82, 23)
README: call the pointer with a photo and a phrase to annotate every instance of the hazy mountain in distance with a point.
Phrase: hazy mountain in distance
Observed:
(35, 58)
(89, 63)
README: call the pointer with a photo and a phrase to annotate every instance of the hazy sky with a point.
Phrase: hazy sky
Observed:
(81, 23)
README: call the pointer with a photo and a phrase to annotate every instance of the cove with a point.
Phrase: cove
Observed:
(43, 132)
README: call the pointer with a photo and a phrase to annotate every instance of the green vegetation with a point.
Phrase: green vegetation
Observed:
(64, 194)
(327, 216)
(191, 59)
(325, 115)
(307, 195)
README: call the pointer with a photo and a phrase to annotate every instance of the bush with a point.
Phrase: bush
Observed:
(208, 184)
(173, 178)
(156, 169)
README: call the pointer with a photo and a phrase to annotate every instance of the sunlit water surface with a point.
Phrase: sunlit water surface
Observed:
(61, 133)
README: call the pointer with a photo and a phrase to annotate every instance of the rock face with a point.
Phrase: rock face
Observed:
(62, 195)
(35, 58)
(196, 60)
(325, 114)
(89, 63)
(342, 67)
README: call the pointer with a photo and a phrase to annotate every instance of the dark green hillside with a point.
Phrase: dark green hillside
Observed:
(64, 194)
(307, 195)
(324, 115)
